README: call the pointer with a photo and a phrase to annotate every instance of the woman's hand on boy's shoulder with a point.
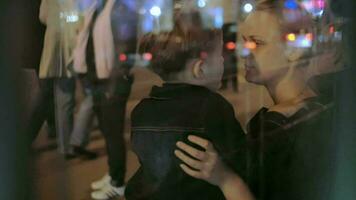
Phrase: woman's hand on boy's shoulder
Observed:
(205, 165)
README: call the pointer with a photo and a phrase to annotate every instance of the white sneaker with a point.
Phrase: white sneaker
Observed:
(108, 192)
(97, 185)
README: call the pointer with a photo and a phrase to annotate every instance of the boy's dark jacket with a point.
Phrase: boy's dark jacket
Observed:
(171, 113)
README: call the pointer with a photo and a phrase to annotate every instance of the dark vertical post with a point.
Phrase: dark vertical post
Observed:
(345, 121)
(14, 146)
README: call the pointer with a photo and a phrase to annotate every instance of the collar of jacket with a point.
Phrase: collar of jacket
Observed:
(174, 90)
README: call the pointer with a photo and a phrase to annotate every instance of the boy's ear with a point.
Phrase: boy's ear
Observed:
(198, 68)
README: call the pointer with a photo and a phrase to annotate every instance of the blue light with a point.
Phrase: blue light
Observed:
(201, 3)
(142, 11)
(318, 13)
(242, 50)
(219, 22)
(219, 17)
(301, 42)
(305, 43)
(245, 52)
(315, 7)
(147, 24)
(337, 36)
(291, 4)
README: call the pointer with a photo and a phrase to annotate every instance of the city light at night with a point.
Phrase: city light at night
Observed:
(248, 8)
(156, 11)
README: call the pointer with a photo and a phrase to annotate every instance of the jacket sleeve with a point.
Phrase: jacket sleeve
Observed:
(79, 62)
(227, 135)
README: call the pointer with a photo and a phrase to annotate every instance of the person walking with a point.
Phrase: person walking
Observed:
(41, 106)
(61, 23)
(108, 83)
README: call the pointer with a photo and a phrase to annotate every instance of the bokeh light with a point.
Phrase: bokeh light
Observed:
(156, 11)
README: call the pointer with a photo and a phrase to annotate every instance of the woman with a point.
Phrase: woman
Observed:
(289, 144)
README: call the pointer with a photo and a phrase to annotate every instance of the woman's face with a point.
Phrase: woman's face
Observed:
(263, 38)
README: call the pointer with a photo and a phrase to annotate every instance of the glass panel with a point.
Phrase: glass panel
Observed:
(181, 99)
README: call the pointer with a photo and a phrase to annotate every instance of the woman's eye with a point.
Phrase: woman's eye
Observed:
(259, 43)
(250, 45)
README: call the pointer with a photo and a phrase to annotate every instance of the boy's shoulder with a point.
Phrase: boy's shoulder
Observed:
(209, 99)
(140, 106)
(218, 100)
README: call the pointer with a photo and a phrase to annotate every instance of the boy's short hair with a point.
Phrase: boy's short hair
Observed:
(172, 50)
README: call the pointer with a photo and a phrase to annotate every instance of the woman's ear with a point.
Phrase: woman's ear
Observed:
(198, 68)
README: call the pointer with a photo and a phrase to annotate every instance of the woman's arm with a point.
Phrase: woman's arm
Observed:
(208, 166)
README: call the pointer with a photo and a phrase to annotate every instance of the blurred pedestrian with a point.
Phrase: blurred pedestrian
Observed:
(41, 105)
(107, 82)
(55, 74)
(230, 58)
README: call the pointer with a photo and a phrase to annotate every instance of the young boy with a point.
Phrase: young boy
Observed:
(191, 65)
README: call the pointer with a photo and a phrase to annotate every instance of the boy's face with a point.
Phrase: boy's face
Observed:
(213, 67)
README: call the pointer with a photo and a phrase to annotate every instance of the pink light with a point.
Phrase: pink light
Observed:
(203, 55)
(309, 36)
(331, 29)
(313, 4)
(147, 56)
(122, 57)
(308, 5)
(319, 4)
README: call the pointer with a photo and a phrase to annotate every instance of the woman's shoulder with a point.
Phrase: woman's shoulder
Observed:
(312, 108)
(270, 121)
(265, 120)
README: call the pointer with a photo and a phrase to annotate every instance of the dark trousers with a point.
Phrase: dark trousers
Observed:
(55, 94)
(42, 110)
(230, 74)
(110, 110)
(225, 81)
(111, 116)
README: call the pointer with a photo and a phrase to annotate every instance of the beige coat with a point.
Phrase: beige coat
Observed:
(103, 41)
(62, 23)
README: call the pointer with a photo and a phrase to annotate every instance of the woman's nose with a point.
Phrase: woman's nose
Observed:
(245, 49)
(245, 53)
